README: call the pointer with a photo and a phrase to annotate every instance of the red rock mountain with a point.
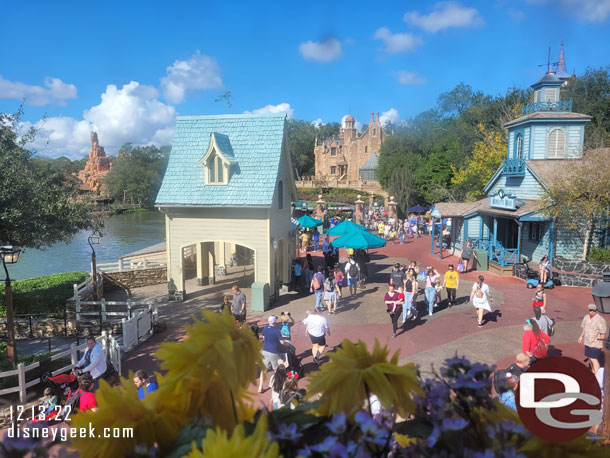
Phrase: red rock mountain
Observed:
(96, 168)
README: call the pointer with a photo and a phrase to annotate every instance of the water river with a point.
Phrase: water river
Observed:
(123, 234)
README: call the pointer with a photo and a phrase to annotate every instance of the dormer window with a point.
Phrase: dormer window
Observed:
(538, 96)
(556, 147)
(218, 160)
(550, 94)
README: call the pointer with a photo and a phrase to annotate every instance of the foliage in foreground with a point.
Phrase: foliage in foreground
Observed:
(202, 408)
(42, 295)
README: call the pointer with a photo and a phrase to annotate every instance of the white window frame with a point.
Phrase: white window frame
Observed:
(556, 144)
(519, 146)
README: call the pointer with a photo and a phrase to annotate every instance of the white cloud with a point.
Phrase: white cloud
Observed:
(321, 51)
(390, 116)
(130, 114)
(397, 42)
(317, 122)
(357, 124)
(445, 15)
(55, 91)
(409, 78)
(198, 73)
(280, 108)
(587, 10)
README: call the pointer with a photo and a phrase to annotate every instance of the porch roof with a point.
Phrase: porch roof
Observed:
(528, 207)
(454, 209)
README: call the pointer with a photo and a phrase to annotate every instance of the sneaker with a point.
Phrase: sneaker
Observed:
(430, 314)
(393, 335)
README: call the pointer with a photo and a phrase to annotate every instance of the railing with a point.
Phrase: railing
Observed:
(559, 105)
(103, 314)
(503, 256)
(513, 167)
(480, 244)
(111, 348)
(138, 327)
(125, 264)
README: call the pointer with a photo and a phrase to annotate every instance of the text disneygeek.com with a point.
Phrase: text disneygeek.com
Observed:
(66, 433)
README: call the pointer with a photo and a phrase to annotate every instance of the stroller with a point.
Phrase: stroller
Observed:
(64, 387)
(533, 278)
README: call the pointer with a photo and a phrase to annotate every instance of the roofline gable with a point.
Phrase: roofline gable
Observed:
(213, 146)
(493, 179)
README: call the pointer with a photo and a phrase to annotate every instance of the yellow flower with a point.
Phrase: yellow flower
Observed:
(216, 361)
(217, 444)
(342, 380)
(121, 408)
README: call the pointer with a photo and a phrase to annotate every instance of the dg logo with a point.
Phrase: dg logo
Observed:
(559, 399)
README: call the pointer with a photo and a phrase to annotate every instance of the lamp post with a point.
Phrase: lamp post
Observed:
(276, 244)
(94, 239)
(9, 255)
(601, 293)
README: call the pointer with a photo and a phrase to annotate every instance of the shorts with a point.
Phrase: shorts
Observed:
(330, 296)
(271, 359)
(352, 281)
(321, 340)
(595, 353)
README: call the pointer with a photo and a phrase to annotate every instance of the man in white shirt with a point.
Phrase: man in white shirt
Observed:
(317, 328)
(93, 361)
(352, 271)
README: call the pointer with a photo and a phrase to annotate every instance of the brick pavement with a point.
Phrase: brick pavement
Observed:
(427, 341)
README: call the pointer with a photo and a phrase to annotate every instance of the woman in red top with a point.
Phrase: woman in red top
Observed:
(393, 303)
(539, 299)
(87, 397)
(531, 337)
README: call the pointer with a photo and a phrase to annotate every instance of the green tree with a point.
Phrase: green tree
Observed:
(580, 194)
(590, 94)
(37, 209)
(137, 173)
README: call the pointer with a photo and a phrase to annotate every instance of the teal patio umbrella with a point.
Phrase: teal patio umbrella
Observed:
(359, 240)
(345, 227)
(307, 221)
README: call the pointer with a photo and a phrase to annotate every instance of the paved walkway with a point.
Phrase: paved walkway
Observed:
(427, 341)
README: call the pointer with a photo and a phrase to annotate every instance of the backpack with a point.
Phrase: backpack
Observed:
(316, 282)
(329, 285)
(285, 330)
(353, 270)
(551, 332)
(541, 350)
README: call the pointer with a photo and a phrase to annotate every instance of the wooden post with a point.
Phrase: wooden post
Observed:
(73, 355)
(21, 379)
(103, 306)
(606, 393)
(432, 234)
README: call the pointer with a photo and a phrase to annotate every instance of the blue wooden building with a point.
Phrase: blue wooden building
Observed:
(507, 224)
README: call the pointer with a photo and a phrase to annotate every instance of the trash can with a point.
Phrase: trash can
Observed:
(482, 259)
(260, 296)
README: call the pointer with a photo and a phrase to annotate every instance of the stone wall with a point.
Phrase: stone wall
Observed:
(55, 328)
(581, 267)
(564, 278)
(140, 277)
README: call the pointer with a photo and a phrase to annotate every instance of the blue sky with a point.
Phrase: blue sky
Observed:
(126, 69)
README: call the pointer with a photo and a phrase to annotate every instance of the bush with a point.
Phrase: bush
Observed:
(42, 295)
(599, 254)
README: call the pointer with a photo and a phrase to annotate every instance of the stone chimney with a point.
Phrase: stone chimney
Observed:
(372, 117)
(359, 210)
(377, 116)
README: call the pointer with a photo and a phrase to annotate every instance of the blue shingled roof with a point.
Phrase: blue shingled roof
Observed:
(256, 144)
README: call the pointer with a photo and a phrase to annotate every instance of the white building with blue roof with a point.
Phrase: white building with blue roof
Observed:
(228, 185)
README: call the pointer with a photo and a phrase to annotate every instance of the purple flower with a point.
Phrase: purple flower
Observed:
(331, 446)
(289, 433)
(371, 430)
(452, 424)
(337, 424)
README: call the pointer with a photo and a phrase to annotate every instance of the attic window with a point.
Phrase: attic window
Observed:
(215, 168)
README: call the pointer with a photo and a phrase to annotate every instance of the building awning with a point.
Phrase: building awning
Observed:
(468, 210)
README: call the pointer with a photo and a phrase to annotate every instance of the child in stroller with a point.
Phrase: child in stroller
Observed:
(61, 388)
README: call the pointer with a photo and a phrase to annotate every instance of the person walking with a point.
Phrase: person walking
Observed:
(534, 341)
(308, 270)
(466, 256)
(352, 272)
(409, 310)
(392, 302)
(339, 277)
(316, 239)
(317, 286)
(331, 292)
(539, 299)
(93, 362)
(397, 276)
(304, 241)
(273, 348)
(317, 328)
(297, 271)
(239, 305)
(594, 332)
(451, 281)
(432, 276)
(144, 383)
(480, 298)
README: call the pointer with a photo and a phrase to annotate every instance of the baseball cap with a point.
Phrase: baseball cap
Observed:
(272, 319)
(592, 307)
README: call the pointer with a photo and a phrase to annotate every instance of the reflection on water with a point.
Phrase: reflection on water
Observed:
(122, 234)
